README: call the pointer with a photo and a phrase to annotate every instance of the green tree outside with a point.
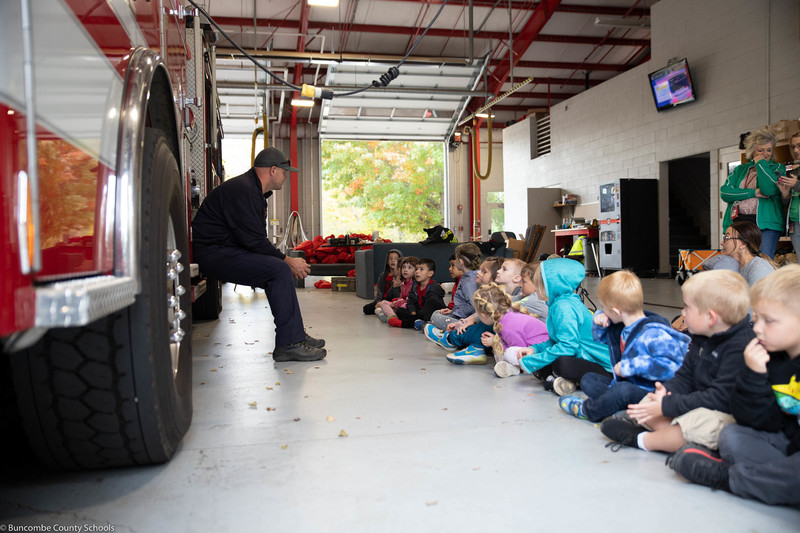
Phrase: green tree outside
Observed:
(390, 186)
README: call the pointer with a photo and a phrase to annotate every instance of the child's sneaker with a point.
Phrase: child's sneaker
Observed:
(379, 311)
(504, 369)
(419, 324)
(439, 337)
(395, 322)
(471, 355)
(622, 432)
(572, 405)
(383, 318)
(563, 386)
(699, 465)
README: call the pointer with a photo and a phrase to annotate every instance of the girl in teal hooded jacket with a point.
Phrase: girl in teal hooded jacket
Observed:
(569, 323)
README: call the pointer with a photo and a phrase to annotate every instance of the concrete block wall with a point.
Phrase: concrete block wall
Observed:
(743, 56)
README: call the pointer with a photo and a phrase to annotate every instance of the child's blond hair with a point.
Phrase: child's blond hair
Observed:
(723, 291)
(516, 264)
(538, 284)
(529, 270)
(621, 290)
(781, 286)
(493, 301)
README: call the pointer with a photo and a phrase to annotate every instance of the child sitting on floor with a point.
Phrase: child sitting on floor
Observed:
(530, 300)
(390, 271)
(468, 258)
(570, 352)
(761, 452)
(402, 284)
(695, 404)
(456, 274)
(512, 324)
(427, 295)
(643, 347)
(466, 335)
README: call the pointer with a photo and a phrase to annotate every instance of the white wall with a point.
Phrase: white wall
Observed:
(744, 57)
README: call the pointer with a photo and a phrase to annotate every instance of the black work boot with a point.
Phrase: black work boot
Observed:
(299, 351)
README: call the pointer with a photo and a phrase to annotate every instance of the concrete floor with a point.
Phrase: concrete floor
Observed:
(383, 435)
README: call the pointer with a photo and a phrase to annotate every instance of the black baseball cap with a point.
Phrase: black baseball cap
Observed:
(272, 157)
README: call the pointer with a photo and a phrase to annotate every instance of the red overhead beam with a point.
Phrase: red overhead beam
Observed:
(298, 77)
(560, 65)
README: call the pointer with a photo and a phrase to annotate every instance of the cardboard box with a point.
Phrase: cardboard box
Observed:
(784, 128)
(517, 245)
(343, 284)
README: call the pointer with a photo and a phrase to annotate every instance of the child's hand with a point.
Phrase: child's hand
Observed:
(756, 357)
(445, 311)
(523, 352)
(643, 412)
(461, 326)
(600, 319)
(487, 339)
(617, 368)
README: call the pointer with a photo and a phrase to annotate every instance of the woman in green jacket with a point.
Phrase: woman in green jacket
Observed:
(752, 192)
(790, 187)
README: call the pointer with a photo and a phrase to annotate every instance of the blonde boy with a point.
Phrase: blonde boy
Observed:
(643, 347)
(694, 405)
(761, 452)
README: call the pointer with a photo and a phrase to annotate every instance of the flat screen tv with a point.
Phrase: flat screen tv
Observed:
(672, 85)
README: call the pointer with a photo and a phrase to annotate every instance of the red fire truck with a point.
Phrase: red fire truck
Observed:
(109, 134)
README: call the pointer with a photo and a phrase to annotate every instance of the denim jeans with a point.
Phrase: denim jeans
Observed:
(605, 400)
(769, 242)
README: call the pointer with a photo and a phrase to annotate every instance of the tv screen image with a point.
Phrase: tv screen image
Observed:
(672, 85)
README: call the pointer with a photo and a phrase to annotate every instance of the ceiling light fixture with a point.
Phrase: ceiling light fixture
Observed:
(302, 102)
(621, 23)
(483, 115)
(323, 3)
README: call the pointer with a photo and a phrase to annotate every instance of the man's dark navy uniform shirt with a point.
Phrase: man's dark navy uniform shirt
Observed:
(234, 215)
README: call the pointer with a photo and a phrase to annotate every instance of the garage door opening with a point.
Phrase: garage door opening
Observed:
(393, 187)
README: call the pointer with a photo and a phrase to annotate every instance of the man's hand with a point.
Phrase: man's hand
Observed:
(756, 357)
(299, 267)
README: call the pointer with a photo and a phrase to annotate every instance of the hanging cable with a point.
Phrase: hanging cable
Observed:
(476, 171)
(311, 91)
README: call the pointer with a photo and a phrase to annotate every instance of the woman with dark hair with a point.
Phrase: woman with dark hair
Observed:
(752, 192)
(741, 242)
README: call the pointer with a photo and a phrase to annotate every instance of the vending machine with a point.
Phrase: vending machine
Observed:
(629, 225)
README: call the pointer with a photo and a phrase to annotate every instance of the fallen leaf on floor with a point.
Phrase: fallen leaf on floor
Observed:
(306, 396)
(530, 394)
(444, 408)
(288, 371)
(213, 369)
(297, 419)
(343, 433)
(202, 383)
(253, 404)
(422, 369)
(391, 359)
(330, 418)
(249, 343)
(284, 446)
(277, 383)
(270, 408)
(358, 418)
(477, 468)
(229, 345)
(316, 367)
(216, 344)
(269, 388)
(430, 504)
(255, 340)
(498, 386)
(205, 355)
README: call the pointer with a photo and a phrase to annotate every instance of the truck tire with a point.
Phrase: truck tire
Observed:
(117, 392)
(209, 305)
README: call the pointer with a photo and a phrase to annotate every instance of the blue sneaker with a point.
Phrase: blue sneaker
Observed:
(572, 405)
(383, 318)
(439, 337)
(471, 355)
(419, 324)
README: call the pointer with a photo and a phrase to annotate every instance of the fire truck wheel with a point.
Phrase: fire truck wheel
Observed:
(117, 392)
(209, 305)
